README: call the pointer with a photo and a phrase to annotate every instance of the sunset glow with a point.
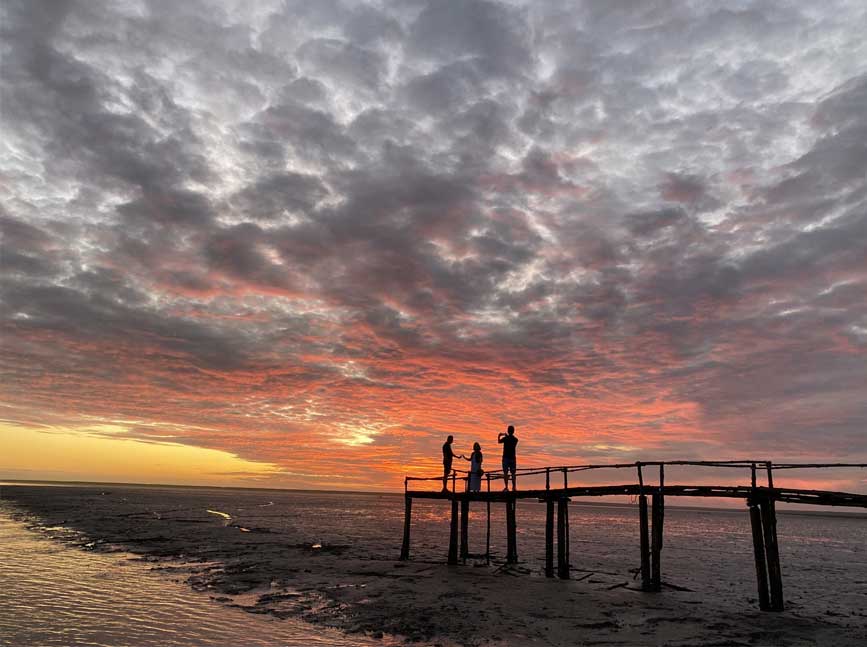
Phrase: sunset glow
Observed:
(296, 244)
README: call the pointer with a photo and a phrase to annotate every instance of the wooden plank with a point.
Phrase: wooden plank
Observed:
(772, 554)
(407, 520)
(759, 557)
(465, 521)
(453, 534)
(563, 538)
(549, 538)
(645, 544)
(658, 516)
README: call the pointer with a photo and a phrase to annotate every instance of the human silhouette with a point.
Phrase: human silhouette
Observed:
(476, 471)
(448, 456)
(509, 441)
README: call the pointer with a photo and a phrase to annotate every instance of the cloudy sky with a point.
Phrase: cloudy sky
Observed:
(297, 243)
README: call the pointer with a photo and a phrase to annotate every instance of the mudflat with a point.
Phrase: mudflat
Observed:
(265, 557)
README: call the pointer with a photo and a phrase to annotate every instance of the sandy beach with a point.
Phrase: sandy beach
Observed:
(356, 589)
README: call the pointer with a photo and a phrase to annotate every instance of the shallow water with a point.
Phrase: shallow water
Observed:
(824, 557)
(54, 595)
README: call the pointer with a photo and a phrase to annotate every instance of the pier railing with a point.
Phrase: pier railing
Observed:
(764, 467)
(761, 495)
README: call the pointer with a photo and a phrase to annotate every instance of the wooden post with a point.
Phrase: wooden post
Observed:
(511, 532)
(759, 556)
(656, 541)
(465, 523)
(488, 532)
(407, 519)
(563, 538)
(568, 545)
(772, 553)
(645, 547)
(453, 534)
(549, 538)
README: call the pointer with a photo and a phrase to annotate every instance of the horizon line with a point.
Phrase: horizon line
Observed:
(51, 483)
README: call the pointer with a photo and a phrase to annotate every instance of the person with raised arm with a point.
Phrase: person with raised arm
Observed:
(509, 441)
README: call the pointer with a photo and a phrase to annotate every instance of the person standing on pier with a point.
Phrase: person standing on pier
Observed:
(448, 456)
(509, 441)
(476, 471)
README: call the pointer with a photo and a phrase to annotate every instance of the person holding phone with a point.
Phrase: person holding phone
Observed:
(509, 442)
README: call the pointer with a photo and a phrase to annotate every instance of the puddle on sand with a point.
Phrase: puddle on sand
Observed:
(54, 595)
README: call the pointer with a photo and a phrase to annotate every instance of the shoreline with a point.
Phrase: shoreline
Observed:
(57, 595)
(420, 602)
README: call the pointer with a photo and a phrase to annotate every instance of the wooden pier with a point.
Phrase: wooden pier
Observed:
(760, 499)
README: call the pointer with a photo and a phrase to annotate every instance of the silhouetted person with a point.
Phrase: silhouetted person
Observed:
(476, 471)
(509, 441)
(448, 455)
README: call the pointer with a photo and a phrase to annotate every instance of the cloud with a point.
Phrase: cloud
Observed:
(631, 226)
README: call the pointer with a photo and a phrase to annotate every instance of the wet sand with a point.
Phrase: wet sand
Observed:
(54, 595)
(264, 569)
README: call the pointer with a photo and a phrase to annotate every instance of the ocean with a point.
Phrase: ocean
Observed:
(69, 578)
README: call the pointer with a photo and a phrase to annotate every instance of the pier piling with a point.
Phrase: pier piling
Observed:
(772, 554)
(658, 515)
(511, 531)
(465, 522)
(549, 538)
(563, 538)
(759, 556)
(644, 542)
(488, 531)
(453, 534)
(407, 520)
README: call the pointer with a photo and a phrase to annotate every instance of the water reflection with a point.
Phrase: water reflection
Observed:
(53, 595)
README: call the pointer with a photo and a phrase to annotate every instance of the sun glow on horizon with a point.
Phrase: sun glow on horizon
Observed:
(89, 454)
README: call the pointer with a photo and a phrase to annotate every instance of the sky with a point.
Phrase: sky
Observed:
(296, 244)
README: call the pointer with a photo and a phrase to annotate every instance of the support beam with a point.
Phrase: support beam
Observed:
(407, 520)
(658, 517)
(511, 532)
(772, 553)
(549, 538)
(644, 542)
(563, 538)
(465, 522)
(759, 556)
(453, 534)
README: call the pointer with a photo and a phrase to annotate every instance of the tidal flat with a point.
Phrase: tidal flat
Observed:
(330, 559)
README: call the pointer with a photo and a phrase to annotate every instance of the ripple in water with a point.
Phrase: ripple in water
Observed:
(53, 595)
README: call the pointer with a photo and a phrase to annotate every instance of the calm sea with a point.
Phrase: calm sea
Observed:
(53, 594)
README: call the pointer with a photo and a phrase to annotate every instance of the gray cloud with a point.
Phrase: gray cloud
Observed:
(600, 201)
